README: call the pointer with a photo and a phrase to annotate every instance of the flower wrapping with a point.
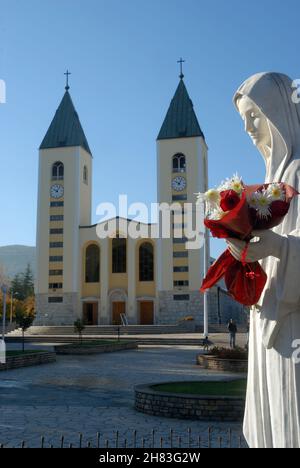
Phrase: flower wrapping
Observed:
(235, 210)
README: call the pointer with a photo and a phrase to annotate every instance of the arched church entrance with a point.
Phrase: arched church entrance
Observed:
(118, 306)
(90, 313)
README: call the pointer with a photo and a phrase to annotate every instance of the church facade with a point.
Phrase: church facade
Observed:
(149, 280)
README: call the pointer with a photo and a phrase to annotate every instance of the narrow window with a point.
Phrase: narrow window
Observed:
(58, 171)
(146, 262)
(85, 175)
(119, 255)
(179, 163)
(92, 264)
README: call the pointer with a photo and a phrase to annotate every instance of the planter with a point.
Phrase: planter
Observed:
(77, 349)
(189, 407)
(211, 362)
(26, 360)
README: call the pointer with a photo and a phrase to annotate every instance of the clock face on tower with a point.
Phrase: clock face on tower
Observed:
(179, 184)
(57, 191)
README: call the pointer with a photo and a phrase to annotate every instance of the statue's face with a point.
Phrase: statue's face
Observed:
(256, 124)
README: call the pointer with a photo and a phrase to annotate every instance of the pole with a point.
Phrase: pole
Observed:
(4, 312)
(205, 315)
(11, 305)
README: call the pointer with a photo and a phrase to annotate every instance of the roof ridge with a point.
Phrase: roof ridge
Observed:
(181, 120)
(65, 129)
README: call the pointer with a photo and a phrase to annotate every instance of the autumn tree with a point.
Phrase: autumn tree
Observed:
(24, 320)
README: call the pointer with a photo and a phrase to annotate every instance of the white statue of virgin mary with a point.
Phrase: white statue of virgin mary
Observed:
(271, 114)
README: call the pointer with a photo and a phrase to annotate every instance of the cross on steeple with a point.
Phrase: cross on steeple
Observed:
(181, 61)
(67, 73)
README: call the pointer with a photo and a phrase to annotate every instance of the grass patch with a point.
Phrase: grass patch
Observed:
(21, 353)
(236, 388)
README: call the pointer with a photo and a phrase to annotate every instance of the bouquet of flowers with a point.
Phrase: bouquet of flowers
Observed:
(234, 210)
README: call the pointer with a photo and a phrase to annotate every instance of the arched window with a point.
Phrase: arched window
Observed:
(58, 171)
(179, 163)
(119, 255)
(146, 262)
(92, 264)
(85, 175)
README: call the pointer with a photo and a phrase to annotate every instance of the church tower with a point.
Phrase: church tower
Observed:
(182, 172)
(64, 203)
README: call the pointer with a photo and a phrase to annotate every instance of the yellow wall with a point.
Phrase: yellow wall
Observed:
(77, 209)
(115, 280)
(195, 151)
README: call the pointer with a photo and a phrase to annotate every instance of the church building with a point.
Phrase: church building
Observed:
(116, 279)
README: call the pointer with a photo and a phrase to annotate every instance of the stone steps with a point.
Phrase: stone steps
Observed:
(163, 341)
(105, 330)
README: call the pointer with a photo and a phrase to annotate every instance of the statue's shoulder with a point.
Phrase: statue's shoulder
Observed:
(292, 171)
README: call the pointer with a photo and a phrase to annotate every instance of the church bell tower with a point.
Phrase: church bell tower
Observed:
(182, 172)
(64, 203)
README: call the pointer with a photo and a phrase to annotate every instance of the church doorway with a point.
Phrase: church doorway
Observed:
(118, 308)
(90, 313)
(146, 313)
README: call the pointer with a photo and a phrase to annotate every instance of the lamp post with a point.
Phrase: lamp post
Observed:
(12, 295)
(205, 299)
(4, 290)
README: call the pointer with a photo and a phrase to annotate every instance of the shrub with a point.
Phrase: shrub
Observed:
(187, 319)
(226, 353)
(78, 328)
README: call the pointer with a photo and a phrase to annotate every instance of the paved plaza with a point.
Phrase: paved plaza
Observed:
(95, 394)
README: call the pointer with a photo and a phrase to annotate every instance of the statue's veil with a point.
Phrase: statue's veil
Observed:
(275, 96)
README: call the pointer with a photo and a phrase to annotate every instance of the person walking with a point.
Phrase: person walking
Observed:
(232, 328)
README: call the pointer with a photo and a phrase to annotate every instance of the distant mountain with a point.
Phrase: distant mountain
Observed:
(15, 258)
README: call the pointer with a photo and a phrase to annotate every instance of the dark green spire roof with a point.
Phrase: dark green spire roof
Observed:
(181, 120)
(65, 128)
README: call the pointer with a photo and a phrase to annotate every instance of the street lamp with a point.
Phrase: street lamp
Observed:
(4, 290)
(12, 295)
(205, 299)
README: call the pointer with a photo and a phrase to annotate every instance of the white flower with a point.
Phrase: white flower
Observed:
(276, 192)
(200, 197)
(263, 203)
(225, 185)
(252, 200)
(237, 184)
(234, 183)
(217, 214)
(211, 198)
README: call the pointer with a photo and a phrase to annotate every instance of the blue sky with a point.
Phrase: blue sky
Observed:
(123, 58)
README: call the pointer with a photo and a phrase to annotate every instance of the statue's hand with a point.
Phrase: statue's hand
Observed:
(269, 244)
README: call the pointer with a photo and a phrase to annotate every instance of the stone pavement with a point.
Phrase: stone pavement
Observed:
(90, 394)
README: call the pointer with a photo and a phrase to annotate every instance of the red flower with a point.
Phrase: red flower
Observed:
(229, 200)
(279, 208)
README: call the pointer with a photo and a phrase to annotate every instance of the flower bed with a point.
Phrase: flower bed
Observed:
(27, 359)
(225, 360)
(150, 399)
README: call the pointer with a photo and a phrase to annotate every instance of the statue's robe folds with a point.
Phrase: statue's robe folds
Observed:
(272, 415)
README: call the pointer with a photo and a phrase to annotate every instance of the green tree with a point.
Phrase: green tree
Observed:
(17, 287)
(78, 328)
(28, 282)
(23, 284)
(24, 320)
